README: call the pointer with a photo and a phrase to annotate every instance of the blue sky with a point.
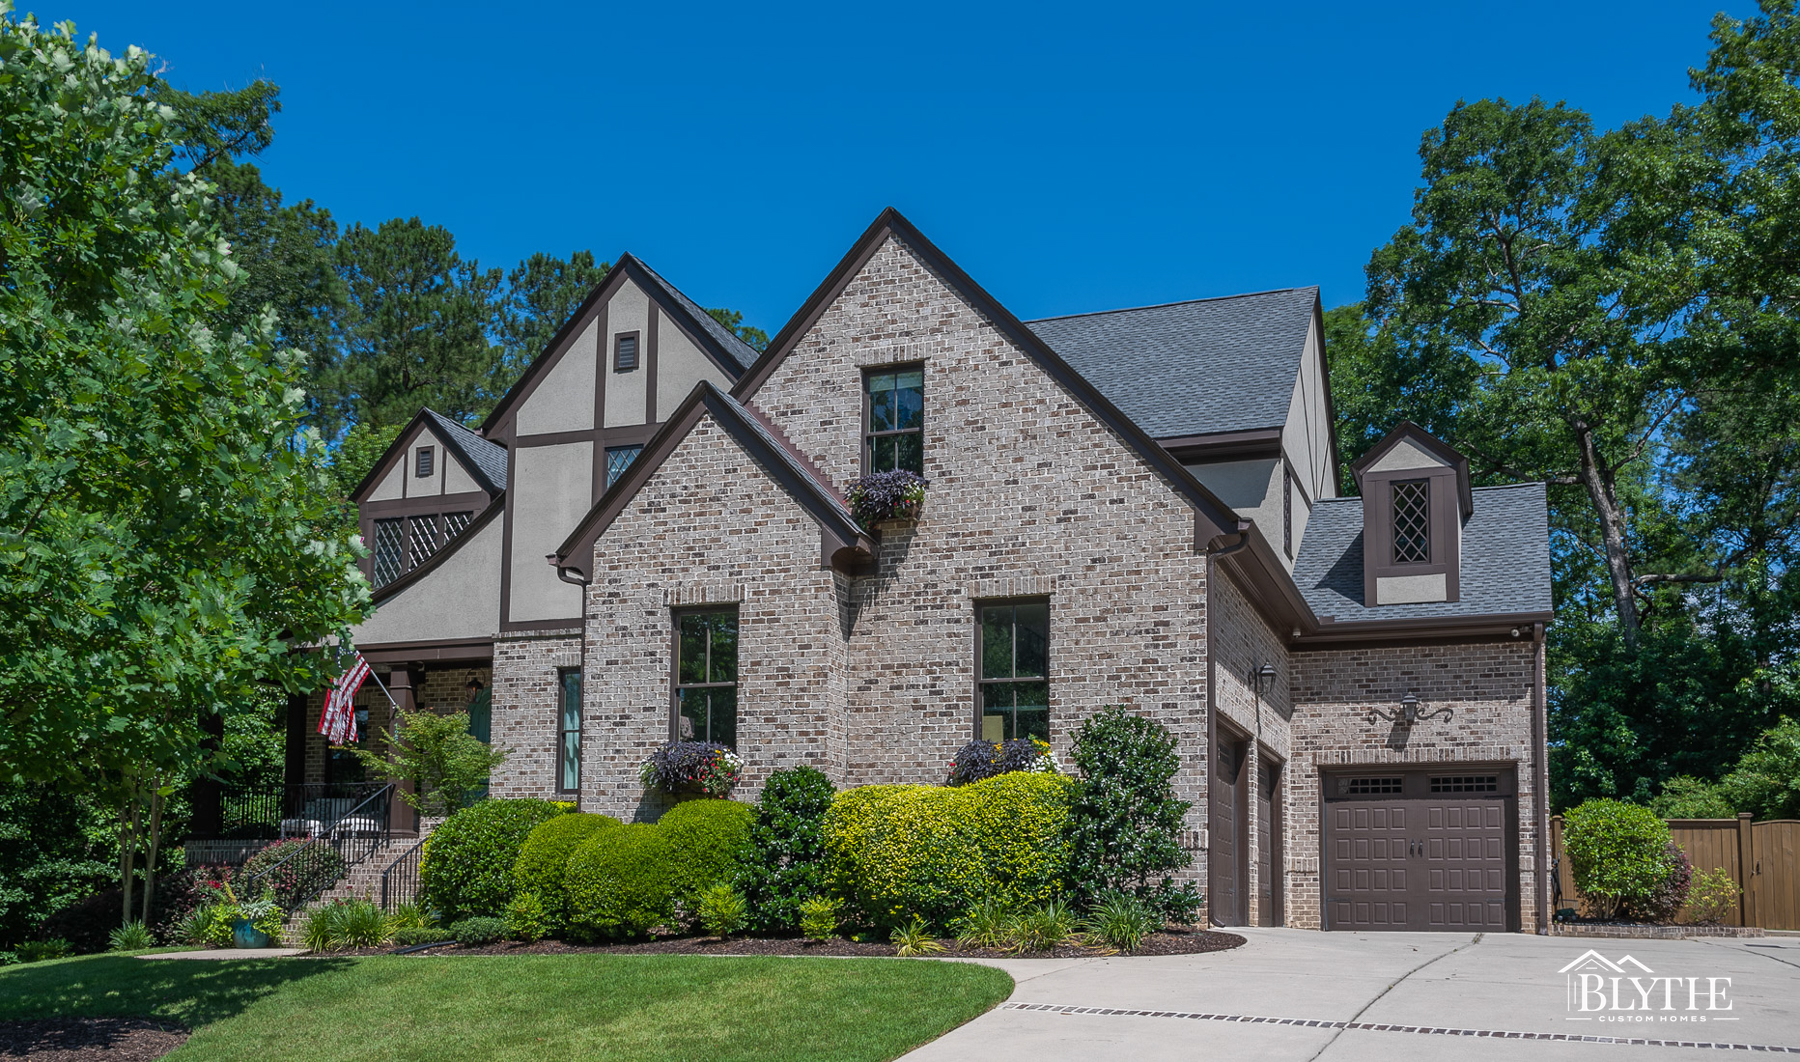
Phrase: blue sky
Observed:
(1070, 158)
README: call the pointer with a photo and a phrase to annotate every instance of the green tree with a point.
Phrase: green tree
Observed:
(165, 532)
(542, 293)
(415, 330)
(732, 319)
(1125, 822)
(435, 752)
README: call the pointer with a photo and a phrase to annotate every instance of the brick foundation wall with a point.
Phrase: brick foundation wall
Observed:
(1488, 688)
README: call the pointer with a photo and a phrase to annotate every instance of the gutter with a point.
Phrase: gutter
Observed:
(1540, 754)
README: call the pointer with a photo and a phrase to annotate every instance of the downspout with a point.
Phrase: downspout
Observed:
(1541, 754)
(1223, 546)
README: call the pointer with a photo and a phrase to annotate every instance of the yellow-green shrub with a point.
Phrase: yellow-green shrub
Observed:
(899, 851)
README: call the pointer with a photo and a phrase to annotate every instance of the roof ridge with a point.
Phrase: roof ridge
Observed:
(1176, 302)
(746, 354)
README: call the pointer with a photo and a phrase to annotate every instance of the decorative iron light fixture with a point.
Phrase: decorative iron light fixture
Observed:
(1409, 711)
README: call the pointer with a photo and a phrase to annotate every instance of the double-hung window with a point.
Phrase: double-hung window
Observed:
(568, 727)
(1013, 670)
(706, 676)
(895, 434)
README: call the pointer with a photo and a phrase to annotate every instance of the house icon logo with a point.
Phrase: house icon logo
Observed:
(1591, 961)
(1625, 990)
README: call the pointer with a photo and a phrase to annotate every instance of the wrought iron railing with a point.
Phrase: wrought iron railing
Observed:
(290, 810)
(324, 859)
(400, 881)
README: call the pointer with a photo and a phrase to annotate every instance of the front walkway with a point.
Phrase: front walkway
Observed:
(1452, 995)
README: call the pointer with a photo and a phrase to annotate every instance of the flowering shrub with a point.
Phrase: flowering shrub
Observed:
(296, 880)
(692, 767)
(892, 495)
(987, 759)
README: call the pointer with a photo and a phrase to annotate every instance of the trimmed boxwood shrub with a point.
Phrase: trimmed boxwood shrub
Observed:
(621, 883)
(707, 842)
(544, 859)
(785, 864)
(467, 867)
(895, 852)
(1619, 855)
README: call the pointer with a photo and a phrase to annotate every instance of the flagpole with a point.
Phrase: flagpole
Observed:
(395, 704)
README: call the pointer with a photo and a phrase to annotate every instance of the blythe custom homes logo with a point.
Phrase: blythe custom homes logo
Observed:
(1625, 990)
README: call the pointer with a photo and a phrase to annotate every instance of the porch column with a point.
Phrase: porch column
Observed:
(400, 684)
(293, 771)
(207, 793)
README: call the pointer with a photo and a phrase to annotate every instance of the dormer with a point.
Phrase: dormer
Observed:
(1415, 497)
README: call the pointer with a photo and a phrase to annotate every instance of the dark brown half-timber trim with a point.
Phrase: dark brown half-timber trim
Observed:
(627, 265)
(1212, 511)
(421, 503)
(387, 591)
(1223, 445)
(576, 554)
(647, 352)
(440, 650)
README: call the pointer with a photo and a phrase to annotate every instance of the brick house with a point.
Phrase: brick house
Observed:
(1134, 507)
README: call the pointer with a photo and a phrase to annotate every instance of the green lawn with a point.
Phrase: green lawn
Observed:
(533, 1007)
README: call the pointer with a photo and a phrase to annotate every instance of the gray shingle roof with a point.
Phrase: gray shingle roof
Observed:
(1192, 368)
(485, 459)
(741, 352)
(1505, 559)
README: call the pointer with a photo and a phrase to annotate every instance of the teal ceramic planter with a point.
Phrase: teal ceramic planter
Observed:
(245, 935)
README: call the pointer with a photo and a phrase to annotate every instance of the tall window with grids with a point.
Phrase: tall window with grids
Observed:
(1412, 521)
(568, 729)
(895, 417)
(706, 676)
(1013, 670)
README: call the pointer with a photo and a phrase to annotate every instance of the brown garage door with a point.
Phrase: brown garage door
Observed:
(1421, 850)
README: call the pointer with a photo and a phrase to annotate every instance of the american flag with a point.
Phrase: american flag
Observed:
(338, 721)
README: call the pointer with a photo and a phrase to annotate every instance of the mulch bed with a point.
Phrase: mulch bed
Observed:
(1172, 941)
(89, 1039)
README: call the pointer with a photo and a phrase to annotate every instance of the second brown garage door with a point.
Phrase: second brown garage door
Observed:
(1422, 850)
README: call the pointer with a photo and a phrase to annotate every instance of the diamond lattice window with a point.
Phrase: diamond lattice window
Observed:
(424, 540)
(455, 524)
(1412, 521)
(390, 550)
(618, 459)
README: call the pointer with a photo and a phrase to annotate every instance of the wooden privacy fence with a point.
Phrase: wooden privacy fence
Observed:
(1765, 856)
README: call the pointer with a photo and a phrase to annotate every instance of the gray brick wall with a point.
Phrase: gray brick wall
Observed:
(1488, 689)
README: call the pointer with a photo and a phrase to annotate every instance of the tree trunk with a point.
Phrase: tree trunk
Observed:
(1601, 490)
(130, 828)
(156, 810)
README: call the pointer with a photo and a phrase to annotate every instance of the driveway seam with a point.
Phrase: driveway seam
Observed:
(1424, 1030)
(1383, 993)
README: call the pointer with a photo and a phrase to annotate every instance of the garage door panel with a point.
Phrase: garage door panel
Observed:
(1418, 861)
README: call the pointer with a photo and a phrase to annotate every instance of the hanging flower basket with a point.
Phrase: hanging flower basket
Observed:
(894, 495)
(693, 767)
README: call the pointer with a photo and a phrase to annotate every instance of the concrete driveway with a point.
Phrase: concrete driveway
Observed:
(1321, 996)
